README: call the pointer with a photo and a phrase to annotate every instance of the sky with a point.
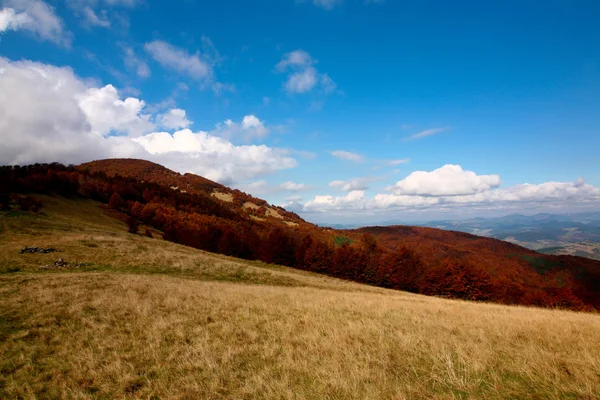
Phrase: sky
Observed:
(344, 111)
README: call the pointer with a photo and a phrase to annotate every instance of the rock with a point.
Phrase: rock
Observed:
(40, 250)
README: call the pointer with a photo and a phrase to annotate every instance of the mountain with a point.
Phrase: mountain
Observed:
(191, 210)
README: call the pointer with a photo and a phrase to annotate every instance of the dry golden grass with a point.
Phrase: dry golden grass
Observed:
(151, 319)
(226, 197)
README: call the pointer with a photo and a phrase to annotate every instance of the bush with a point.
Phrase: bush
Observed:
(132, 225)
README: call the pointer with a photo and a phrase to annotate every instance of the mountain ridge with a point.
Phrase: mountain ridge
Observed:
(194, 211)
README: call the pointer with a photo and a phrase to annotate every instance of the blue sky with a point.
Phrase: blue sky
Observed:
(343, 110)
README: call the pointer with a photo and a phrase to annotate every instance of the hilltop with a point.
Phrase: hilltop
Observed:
(190, 210)
(139, 317)
(146, 171)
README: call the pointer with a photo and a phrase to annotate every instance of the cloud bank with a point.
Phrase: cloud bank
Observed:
(450, 188)
(49, 114)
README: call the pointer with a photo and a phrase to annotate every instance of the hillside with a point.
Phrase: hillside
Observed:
(233, 199)
(196, 212)
(142, 317)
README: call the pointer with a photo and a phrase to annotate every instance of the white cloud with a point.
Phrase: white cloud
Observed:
(181, 61)
(133, 62)
(255, 188)
(295, 59)
(107, 113)
(214, 157)
(294, 187)
(398, 162)
(347, 156)
(354, 184)
(49, 114)
(11, 20)
(354, 200)
(428, 132)
(303, 76)
(95, 19)
(174, 119)
(294, 198)
(449, 180)
(220, 88)
(328, 84)
(471, 191)
(101, 13)
(250, 128)
(302, 81)
(35, 17)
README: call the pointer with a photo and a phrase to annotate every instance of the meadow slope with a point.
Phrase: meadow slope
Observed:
(146, 318)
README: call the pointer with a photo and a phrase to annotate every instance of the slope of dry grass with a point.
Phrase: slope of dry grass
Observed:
(149, 319)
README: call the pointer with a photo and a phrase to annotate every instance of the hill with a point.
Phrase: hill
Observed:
(196, 212)
(139, 317)
(233, 199)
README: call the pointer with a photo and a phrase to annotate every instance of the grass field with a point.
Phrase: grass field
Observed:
(144, 318)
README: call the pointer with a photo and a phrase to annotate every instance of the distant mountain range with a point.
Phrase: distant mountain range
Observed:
(561, 234)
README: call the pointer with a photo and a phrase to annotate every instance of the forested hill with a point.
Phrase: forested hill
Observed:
(197, 212)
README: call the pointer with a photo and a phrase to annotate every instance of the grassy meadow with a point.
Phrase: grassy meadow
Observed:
(148, 319)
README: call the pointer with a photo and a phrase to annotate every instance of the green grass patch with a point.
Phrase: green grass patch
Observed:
(341, 240)
(540, 264)
(549, 250)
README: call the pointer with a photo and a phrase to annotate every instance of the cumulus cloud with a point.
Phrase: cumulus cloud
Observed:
(49, 114)
(250, 128)
(217, 158)
(35, 17)
(472, 191)
(354, 200)
(449, 180)
(428, 132)
(347, 156)
(171, 57)
(303, 77)
(174, 119)
(107, 113)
